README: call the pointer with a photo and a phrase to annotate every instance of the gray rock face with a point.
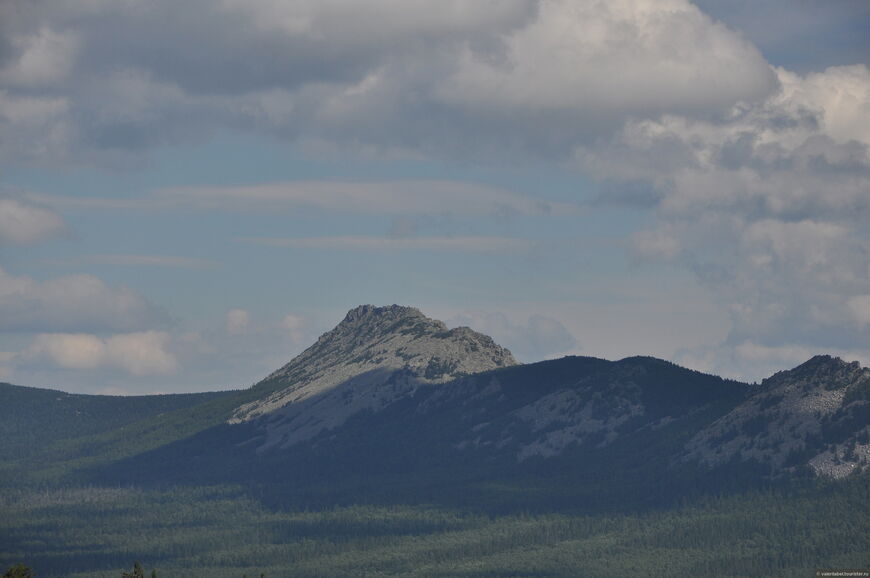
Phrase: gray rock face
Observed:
(817, 414)
(374, 357)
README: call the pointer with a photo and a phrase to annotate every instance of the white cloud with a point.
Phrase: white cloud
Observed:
(169, 261)
(623, 56)
(237, 321)
(456, 79)
(481, 244)
(379, 197)
(431, 198)
(138, 354)
(354, 24)
(840, 95)
(44, 58)
(767, 205)
(69, 350)
(141, 353)
(24, 224)
(72, 303)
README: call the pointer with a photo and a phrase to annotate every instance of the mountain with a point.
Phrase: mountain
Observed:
(390, 390)
(373, 358)
(816, 415)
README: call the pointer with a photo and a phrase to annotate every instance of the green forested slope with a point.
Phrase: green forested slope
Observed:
(226, 532)
(49, 436)
(34, 418)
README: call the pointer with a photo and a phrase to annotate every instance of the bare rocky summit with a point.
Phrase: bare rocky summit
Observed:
(374, 357)
(816, 415)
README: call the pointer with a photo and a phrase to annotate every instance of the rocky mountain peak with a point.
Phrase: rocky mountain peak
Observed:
(821, 370)
(400, 337)
(372, 314)
(815, 415)
(375, 356)
(368, 322)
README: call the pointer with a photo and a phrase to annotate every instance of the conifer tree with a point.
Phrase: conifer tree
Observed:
(136, 573)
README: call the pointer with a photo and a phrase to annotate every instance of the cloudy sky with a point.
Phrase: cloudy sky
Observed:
(191, 192)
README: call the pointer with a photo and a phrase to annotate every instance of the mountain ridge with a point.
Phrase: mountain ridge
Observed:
(816, 414)
(392, 386)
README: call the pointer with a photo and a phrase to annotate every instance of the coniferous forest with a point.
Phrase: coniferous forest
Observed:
(229, 531)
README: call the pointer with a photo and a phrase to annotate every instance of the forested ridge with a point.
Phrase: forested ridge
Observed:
(227, 532)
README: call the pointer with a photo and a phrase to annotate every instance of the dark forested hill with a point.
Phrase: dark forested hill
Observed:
(34, 418)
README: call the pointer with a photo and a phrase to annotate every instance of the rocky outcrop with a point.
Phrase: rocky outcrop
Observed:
(816, 415)
(374, 357)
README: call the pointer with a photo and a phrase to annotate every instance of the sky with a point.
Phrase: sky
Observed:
(191, 193)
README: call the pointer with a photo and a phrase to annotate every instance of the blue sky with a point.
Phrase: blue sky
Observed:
(190, 194)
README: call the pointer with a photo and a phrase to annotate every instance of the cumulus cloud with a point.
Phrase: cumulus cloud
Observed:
(23, 223)
(767, 205)
(139, 354)
(668, 54)
(72, 303)
(378, 197)
(234, 351)
(481, 244)
(536, 338)
(456, 78)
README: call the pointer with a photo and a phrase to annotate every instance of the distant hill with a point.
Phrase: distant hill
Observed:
(34, 418)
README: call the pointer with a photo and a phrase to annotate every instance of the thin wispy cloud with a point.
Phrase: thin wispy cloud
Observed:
(26, 224)
(103, 203)
(353, 243)
(368, 197)
(126, 260)
(365, 197)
